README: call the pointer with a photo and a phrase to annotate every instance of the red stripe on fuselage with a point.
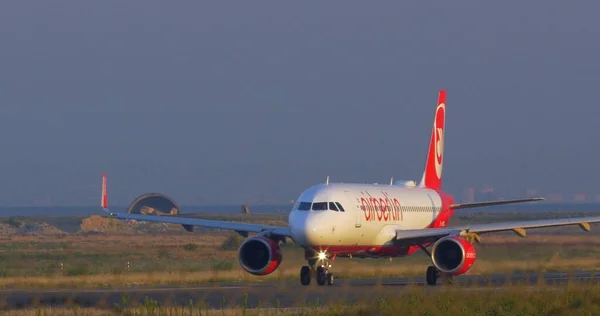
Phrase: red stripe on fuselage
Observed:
(383, 251)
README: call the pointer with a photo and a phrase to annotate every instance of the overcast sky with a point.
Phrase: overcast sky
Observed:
(244, 101)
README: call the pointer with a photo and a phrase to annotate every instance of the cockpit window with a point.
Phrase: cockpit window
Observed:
(319, 206)
(304, 206)
(333, 207)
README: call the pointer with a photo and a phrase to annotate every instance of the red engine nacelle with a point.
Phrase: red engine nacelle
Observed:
(453, 255)
(259, 255)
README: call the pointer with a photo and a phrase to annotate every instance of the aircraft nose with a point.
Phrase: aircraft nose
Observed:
(313, 230)
(307, 228)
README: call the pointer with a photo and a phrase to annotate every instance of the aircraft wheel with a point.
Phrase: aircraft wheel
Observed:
(321, 276)
(431, 275)
(305, 275)
(329, 278)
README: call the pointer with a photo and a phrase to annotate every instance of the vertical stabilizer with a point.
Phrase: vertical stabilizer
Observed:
(432, 177)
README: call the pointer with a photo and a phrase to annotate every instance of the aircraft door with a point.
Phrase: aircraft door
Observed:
(436, 204)
(355, 207)
(434, 214)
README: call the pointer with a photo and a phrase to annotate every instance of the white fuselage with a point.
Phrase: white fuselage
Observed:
(371, 215)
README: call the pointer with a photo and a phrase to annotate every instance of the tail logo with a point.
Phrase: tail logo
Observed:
(440, 116)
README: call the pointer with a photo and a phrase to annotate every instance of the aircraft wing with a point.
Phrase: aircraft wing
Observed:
(235, 226)
(491, 203)
(187, 223)
(428, 235)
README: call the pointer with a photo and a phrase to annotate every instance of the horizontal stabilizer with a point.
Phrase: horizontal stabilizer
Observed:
(491, 203)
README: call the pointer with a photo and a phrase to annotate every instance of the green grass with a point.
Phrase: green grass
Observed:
(190, 252)
(38, 261)
(25, 258)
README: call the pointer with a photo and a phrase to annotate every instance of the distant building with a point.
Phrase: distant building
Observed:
(556, 197)
(153, 203)
(470, 195)
(531, 193)
(579, 197)
(488, 193)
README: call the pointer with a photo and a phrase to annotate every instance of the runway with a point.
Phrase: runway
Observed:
(282, 294)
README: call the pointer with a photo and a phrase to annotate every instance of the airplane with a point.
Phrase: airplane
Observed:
(357, 220)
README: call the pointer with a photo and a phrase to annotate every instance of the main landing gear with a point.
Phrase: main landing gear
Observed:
(319, 267)
(433, 274)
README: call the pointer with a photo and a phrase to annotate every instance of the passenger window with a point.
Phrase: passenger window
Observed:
(340, 206)
(333, 207)
(320, 206)
(304, 206)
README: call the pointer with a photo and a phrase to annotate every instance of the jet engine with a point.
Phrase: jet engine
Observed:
(259, 255)
(453, 255)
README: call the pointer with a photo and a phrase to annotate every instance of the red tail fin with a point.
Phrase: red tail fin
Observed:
(104, 200)
(432, 177)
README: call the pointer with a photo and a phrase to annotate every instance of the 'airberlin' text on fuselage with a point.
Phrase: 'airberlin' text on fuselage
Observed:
(381, 209)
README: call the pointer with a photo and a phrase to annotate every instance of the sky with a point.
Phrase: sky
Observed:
(249, 102)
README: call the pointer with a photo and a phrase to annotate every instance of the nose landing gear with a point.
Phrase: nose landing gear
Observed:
(324, 276)
(319, 267)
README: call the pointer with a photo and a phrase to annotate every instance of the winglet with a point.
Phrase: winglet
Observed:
(432, 176)
(104, 198)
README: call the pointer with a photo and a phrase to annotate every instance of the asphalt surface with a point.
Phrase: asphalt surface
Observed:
(282, 294)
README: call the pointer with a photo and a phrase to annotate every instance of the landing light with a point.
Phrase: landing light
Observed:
(322, 255)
